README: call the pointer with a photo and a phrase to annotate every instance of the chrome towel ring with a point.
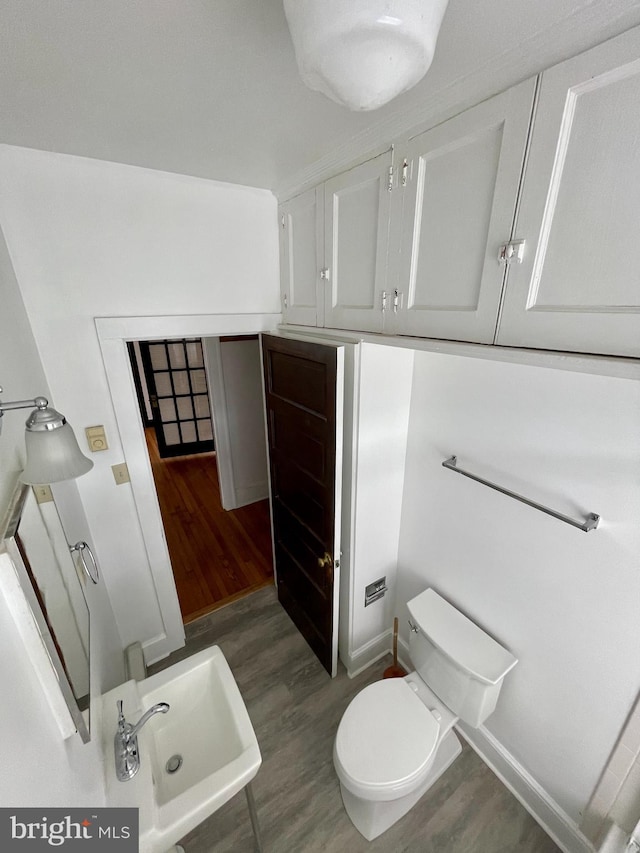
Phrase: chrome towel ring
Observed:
(91, 571)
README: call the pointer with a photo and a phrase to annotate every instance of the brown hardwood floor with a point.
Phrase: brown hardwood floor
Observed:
(217, 555)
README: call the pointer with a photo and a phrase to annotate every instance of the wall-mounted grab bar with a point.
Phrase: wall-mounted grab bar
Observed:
(590, 523)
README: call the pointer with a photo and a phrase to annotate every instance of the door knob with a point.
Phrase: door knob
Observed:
(326, 561)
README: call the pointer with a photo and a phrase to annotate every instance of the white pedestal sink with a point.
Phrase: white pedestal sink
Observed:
(206, 732)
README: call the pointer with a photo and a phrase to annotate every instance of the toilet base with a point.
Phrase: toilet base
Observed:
(371, 818)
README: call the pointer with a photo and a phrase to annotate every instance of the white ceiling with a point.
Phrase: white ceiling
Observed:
(210, 87)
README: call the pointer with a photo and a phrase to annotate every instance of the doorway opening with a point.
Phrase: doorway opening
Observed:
(200, 403)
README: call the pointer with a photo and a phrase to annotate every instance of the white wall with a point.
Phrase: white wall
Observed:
(89, 238)
(383, 395)
(22, 376)
(235, 378)
(563, 601)
(38, 767)
(242, 372)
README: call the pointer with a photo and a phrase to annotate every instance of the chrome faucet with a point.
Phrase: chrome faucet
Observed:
(126, 741)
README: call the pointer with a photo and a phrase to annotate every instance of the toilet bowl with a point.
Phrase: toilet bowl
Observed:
(393, 742)
(396, 736)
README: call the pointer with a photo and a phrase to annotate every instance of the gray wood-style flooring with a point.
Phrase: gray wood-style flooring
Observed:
(295, 709)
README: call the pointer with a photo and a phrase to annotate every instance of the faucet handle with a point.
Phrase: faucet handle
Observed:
(121, 719)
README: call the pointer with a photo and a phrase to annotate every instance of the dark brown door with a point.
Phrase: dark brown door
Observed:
(177, 383)
(303, 393)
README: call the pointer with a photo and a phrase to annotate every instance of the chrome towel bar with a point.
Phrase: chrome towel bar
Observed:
(590, 523)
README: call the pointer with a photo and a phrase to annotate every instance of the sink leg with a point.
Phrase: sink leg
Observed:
(254, 817)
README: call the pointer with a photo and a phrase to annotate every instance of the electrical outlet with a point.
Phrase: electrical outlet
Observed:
(43, 494)
(120, 473)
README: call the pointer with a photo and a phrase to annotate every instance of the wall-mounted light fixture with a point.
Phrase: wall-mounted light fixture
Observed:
(363, 53)
(52, 450)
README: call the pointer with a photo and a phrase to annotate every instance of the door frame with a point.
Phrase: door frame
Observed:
(113, 334)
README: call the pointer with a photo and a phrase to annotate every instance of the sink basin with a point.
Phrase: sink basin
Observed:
(207, 731)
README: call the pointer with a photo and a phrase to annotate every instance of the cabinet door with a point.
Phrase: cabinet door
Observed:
(461, 186)
(356, 238)
(301, 257)
(578, 287)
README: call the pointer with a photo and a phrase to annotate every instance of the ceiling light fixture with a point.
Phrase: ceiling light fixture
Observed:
(52, 449)
(363, 53)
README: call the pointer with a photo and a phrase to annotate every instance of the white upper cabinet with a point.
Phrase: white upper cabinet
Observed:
(460, 186)
(356, 226)
(578, 287)
(301, 246)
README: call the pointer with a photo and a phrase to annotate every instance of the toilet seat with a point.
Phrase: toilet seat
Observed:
(385, 742)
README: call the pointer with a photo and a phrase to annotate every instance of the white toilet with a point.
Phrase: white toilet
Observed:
(396, 737)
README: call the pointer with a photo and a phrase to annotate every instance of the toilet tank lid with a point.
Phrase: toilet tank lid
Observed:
(459, 638)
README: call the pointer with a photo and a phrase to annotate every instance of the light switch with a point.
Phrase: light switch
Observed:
(120, 473)
(96, 438)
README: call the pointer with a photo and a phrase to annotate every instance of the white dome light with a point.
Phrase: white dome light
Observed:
(363, 53)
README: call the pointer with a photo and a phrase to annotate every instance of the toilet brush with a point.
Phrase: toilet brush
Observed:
(394, 671)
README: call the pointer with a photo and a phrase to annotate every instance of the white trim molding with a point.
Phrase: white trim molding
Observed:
(113, 334)
(540, 805)
(31, 637)
(362, 658)
(596, 365)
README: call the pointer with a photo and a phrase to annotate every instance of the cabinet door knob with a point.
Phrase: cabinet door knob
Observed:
(510, 252)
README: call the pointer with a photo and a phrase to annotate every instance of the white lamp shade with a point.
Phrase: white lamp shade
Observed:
(363, 53)
(53, 455)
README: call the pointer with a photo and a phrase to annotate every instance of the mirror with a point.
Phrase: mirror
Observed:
(36, 543)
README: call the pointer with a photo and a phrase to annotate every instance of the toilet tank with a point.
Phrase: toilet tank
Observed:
(462, 664)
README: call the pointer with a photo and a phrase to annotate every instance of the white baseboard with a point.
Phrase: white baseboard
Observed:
(358, 661)
(523, 786)
(250, 494)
